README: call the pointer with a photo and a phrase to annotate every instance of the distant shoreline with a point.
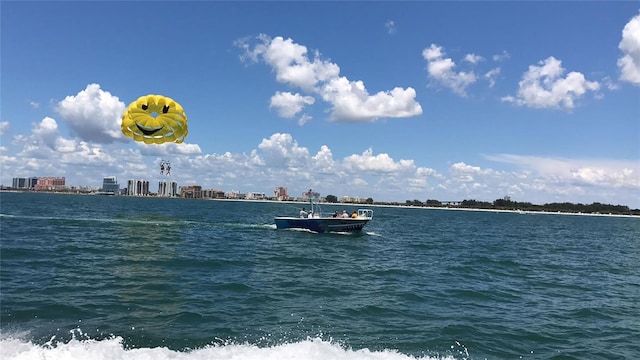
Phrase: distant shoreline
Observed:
(523, 212)
(436, 208)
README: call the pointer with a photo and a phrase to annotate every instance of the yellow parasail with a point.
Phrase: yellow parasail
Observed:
(155, 119)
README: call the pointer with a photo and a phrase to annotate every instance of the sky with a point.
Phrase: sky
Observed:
(396, 101)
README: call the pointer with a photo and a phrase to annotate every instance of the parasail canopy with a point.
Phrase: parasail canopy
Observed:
(155, 119)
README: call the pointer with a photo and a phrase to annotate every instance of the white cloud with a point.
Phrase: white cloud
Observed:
(461, 172)
(46, 132)
(34, 105)
(501, 57)
(280, 150)
(323, 161)
(544, 87)
(473, 58)
(4, 127)
(93, 114)
(304, 119)
(629, 63)
(291, 63)
(491, 76)
(441, 70)
(367, 162)
(168, 148)
(280, 160)
(578, 172)
(45, 150)
(289, 105)
(350, 100)
(391, 26)
(542, 180)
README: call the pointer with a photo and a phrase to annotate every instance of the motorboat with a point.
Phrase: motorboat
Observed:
(315, 221)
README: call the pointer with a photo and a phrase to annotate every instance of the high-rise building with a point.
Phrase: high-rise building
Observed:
(281, 193)
(110, 185)
(167, 188)
(19, 183)
(50, 183)
(191, 192)
(31, 182)
(138, 187)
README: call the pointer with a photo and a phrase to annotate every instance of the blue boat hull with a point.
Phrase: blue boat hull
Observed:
(322, 225)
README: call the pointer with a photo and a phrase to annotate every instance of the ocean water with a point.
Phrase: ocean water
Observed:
(98, 277)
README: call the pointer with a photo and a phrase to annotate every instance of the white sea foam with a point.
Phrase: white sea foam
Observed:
(112, 349)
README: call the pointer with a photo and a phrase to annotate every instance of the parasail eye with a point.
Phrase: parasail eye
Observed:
(145, 107)
(165, 109)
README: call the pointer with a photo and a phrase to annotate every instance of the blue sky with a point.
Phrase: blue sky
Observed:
(396, 101)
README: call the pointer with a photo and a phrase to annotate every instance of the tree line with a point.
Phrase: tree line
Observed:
(508, 204)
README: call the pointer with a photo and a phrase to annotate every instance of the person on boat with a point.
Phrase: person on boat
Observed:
(354, 214)
(303, 213)
(344, 214)
(335, 214)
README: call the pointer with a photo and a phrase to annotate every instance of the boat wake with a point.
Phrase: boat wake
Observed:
(113, 348)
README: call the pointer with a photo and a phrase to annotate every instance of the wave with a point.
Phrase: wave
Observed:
(251, 226)
(372, 233)
(142, 220)
(112, 348)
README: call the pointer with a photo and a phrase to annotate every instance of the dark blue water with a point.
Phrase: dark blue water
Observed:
(118, 277)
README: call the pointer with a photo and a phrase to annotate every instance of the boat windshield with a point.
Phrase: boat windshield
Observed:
(365, 213)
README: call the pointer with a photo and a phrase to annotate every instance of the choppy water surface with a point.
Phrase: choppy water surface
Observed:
(116, 277)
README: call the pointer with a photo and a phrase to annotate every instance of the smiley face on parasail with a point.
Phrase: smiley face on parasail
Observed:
(155, 119)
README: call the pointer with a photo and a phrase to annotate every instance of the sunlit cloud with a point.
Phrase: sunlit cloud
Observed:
(629, 62)
(544, 86)
(349, 101)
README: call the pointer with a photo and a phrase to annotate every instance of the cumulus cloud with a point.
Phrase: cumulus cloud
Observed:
(349, 100)
(545, 179)
(352, 102)
(391, 26)
(466, 173)
(473, 58)
(578, 172)
(289, 105)
(383, 163)
(280, 160)
(304, 119)
(168, 148)
(93, 114)
(544, 87)
(323, 161)
(629, 63)
(45, 148)
(46, 132)
(4, 127)
(491, 76)
(281, 150)
(442, 70)
(501, 57)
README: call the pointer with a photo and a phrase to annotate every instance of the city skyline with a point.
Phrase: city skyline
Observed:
(168, 188)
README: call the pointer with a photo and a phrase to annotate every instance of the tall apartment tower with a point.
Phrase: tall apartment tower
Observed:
(167, 188)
